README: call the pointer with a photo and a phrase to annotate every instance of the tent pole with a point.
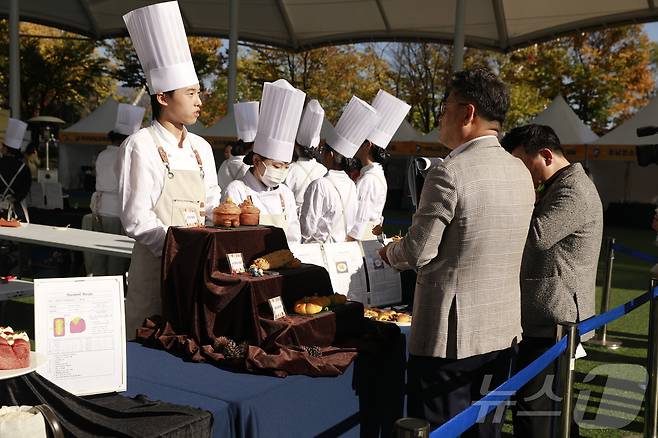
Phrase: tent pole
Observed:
(232, 54)
(458, 45)
(14, 61)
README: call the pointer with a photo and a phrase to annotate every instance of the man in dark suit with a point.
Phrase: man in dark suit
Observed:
(466, 242)
(558, 273)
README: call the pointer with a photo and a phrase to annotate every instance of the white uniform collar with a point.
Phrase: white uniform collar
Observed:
(463, 146)
(338, 173)
(371, 167)
(167, 136)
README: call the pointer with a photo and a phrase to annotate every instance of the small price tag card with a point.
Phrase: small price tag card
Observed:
(236, 262)
(277, 307)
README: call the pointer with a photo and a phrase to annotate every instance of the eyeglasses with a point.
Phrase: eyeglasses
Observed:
(444, 104)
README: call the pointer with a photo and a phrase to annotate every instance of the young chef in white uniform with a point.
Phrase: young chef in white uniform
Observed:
(280, 110)
(371, 186)
(330, 203)
(246, 123)
(105, 205)
(306, 168)
(166, 174)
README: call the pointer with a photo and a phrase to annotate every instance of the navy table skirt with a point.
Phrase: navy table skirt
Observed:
(364, 401)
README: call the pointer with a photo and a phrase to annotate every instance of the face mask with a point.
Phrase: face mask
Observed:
(273, 176)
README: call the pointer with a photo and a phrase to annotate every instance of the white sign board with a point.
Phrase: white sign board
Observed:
(346, 270)
(80, 325)
(384, 281)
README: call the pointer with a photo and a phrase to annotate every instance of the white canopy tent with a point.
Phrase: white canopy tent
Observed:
(566, 123)
(407, 133)
(626, 181)
(499, 24)
(81, 142)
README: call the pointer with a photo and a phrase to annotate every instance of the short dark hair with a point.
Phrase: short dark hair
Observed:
(532, 138)
(240, 147)
(116, 137)
(379, 155)
(482, 88)
(342, 161)
(307, 152)
(156, 108)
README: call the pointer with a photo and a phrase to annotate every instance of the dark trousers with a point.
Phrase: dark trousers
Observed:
(438, 389)
(537, 406)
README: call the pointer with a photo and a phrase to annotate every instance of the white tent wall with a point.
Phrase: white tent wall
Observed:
(83, 141)
(620, 181)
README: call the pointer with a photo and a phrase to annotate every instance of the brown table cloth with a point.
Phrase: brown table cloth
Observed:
(202, 301)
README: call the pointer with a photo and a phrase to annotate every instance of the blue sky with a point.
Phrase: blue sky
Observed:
(652, 30)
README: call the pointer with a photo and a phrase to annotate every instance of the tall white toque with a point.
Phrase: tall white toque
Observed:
(15, 133)
(280, 110)
(309, 130)
(392, 111)
(158, 34)
(129, 119)
(246, 120)
(357, 121)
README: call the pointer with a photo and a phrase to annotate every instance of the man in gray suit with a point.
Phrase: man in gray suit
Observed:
(466, 242)
(558, 273)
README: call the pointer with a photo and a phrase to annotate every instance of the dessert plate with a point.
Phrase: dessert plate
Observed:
(36, 360)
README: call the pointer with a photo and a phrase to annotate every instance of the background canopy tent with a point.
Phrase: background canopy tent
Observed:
(619, 178)
(566, 123)
(80, 143)
(291, 24)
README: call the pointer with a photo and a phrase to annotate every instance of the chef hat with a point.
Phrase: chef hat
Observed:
(309, 130)
(357, 121)
(280, 110)
(129, 119)
(15, 133)
(392, 112)
(158, 34)
(246, 120)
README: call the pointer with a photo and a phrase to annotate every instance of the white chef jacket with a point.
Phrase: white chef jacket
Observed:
(230, 170)
(141, 179)
(267, 200)
(302, 173)
(371, 191)
(105, 200)
(323, 218)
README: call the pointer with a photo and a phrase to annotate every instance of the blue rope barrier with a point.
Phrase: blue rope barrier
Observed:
(471, 415)
(599, 321)
(468, 417)
(635, 253)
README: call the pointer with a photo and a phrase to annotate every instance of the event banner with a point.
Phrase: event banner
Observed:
(80, 326)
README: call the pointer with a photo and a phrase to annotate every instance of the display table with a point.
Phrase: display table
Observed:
(364, 401)
(202, 301)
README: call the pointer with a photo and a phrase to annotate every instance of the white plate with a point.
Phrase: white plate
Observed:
(36, 360)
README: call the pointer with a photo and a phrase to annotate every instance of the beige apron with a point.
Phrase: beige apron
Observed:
(181, 204)
(279, 220)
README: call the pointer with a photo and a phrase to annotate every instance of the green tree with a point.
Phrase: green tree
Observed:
(209, 62)
(62, 75)
(330, 74)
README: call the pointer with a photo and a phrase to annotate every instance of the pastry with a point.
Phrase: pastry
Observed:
(12, 223)
(337, 299)
(403, 318)
(311, 305)
(249, 213)
(14, 349)
(274, 260)
(294, 263)
(370, 312)
(227, 214)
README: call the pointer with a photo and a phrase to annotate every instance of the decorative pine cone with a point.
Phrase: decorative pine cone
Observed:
(312, 350)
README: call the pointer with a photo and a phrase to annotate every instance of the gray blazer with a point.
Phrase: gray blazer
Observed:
(558, 273)
(466, 242)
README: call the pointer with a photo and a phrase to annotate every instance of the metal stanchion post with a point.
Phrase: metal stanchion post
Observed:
(651, 404)
(411, 428)
(567, 367)
(602, 338)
